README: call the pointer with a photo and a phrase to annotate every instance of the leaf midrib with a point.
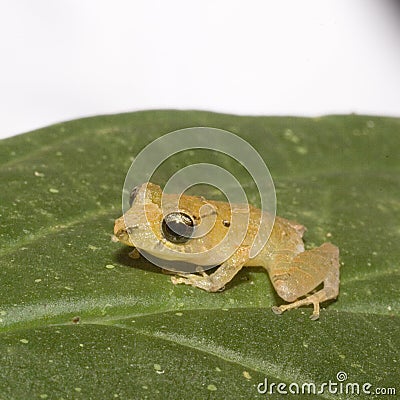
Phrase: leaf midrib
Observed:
(19, 325)
(272, 371)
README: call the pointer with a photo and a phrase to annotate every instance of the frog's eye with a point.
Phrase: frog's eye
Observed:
(133, 194)
(177, 227)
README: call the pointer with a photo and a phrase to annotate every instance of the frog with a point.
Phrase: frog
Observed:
(299, 276)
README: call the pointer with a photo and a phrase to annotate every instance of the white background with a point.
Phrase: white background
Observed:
(63, 59)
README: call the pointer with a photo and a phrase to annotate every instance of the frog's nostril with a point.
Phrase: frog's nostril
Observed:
(123, 232)
(119, 226)
(120, 233)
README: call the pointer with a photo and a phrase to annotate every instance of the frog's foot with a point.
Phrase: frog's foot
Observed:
(202, 281)
(134, 253)
(313, 299)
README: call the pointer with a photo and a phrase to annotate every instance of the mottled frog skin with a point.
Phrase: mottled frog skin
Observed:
(294, 271)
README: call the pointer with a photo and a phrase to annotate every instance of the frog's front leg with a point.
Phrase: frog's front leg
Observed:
(134, 253)
(217, 280)
(303, 274)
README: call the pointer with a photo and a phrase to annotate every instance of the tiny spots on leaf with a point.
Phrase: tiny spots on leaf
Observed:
(302, 150)
(157, 368)
(246, 375)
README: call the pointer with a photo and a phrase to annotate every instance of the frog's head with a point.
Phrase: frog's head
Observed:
(157, 224)
(135, 225)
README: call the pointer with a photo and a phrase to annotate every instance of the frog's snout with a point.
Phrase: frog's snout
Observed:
(119, 226)
(122, 232)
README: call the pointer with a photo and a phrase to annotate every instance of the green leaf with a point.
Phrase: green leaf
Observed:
(138, 336)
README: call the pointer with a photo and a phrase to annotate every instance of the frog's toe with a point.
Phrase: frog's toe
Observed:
(134, 254)
(277, 310)
(187, 279)
(176, 280)
(315, 315)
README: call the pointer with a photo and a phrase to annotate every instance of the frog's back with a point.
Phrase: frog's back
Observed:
(286, 238)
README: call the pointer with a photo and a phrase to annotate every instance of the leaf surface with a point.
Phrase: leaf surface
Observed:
(141, 337)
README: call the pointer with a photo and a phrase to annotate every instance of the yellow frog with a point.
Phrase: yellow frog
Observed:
(294, 272)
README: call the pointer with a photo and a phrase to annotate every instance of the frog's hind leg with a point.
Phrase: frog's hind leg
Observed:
(305, 272)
